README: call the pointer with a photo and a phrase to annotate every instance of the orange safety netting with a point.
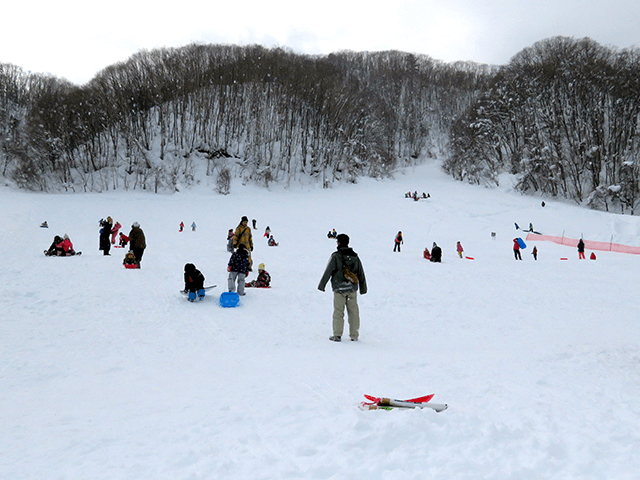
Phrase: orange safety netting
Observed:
(589, 244)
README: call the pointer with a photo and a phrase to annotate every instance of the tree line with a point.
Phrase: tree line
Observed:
(263, 115)
(564, 117)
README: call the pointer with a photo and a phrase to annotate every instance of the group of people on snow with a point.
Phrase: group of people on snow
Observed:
(415, 195)
(61, 247)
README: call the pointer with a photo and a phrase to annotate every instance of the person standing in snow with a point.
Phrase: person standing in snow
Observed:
(193, 227)
(397, 242)
(181, 226)
(137, 241)
(581, 250)
(105, 233)
(243, 236)
(238, 268)
(535, 253)
(516, 249)
(346, 273)
(459, 249)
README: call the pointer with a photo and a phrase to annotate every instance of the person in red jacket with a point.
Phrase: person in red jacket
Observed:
(516, 249)
(66, 247)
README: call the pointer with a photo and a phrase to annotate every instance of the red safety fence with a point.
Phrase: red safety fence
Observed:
(589, 244)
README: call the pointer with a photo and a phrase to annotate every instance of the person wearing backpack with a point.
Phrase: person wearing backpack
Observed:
(346, 273)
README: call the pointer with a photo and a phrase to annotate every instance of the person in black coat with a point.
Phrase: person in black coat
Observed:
(105, 233)
(193, 282)
(137, 241)
(436, 253)
(238, 268)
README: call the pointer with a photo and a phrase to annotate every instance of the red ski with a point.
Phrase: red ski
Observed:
(380, 403)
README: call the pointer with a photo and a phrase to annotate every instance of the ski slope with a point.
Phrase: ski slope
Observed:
(108, 373)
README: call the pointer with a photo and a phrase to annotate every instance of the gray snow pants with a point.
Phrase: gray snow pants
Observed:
(240, 277)
(350, 300)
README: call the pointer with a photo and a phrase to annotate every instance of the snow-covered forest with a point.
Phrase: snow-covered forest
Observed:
(563, 115)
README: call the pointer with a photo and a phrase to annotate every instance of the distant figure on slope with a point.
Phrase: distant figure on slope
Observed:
(193, 282)
(193, 227)
(346, 273)
(593, 256)
(516, 249)
(459, 249)
(531, 227)
(254, 223)
(581, 250)
(105, 233)
(332, 234)
(436, 253)
(398, 241)
(263, 280)
(44, 224)
(426, 254)
(230, 236)
(238, 268)
(137, 240)
(426, 195)
(535, 253)
(267, 232)
(181, 227)
(272, 242)
(114, 232)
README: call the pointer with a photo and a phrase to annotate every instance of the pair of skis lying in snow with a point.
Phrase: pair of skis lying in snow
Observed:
(377, 403)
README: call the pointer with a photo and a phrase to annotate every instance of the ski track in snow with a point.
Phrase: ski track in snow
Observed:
(107, 373)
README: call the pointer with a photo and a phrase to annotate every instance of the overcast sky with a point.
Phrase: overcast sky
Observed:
(76, 39)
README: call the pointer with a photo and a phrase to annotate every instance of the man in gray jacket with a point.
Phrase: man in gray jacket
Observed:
(347, 276)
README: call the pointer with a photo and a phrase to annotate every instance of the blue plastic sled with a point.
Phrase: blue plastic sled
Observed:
(521, 243)
(229, 299)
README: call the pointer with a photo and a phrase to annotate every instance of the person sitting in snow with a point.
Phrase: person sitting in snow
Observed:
(193, 282)
(332, 234)
(53, 250)
(130, 260)
(66, 247)
(436, 253)
(272, 242)
(263, 280)
(426, 253)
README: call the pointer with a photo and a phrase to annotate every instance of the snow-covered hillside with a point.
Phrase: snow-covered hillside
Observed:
(107, 373)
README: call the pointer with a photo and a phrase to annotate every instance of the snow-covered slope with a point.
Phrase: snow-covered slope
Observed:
(107, 373)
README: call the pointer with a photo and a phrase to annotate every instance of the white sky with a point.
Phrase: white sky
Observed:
(75, 39)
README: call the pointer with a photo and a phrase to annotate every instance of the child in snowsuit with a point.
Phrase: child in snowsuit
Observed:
(238, 269)
(114, 232)
(263, 280)
(272, 242)
(130, 260)
(459, 249)
(535, 253)
(426, 253)
(230, 236)
(193, 282)
(267, 232)
(123, 240)
(181, 227)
